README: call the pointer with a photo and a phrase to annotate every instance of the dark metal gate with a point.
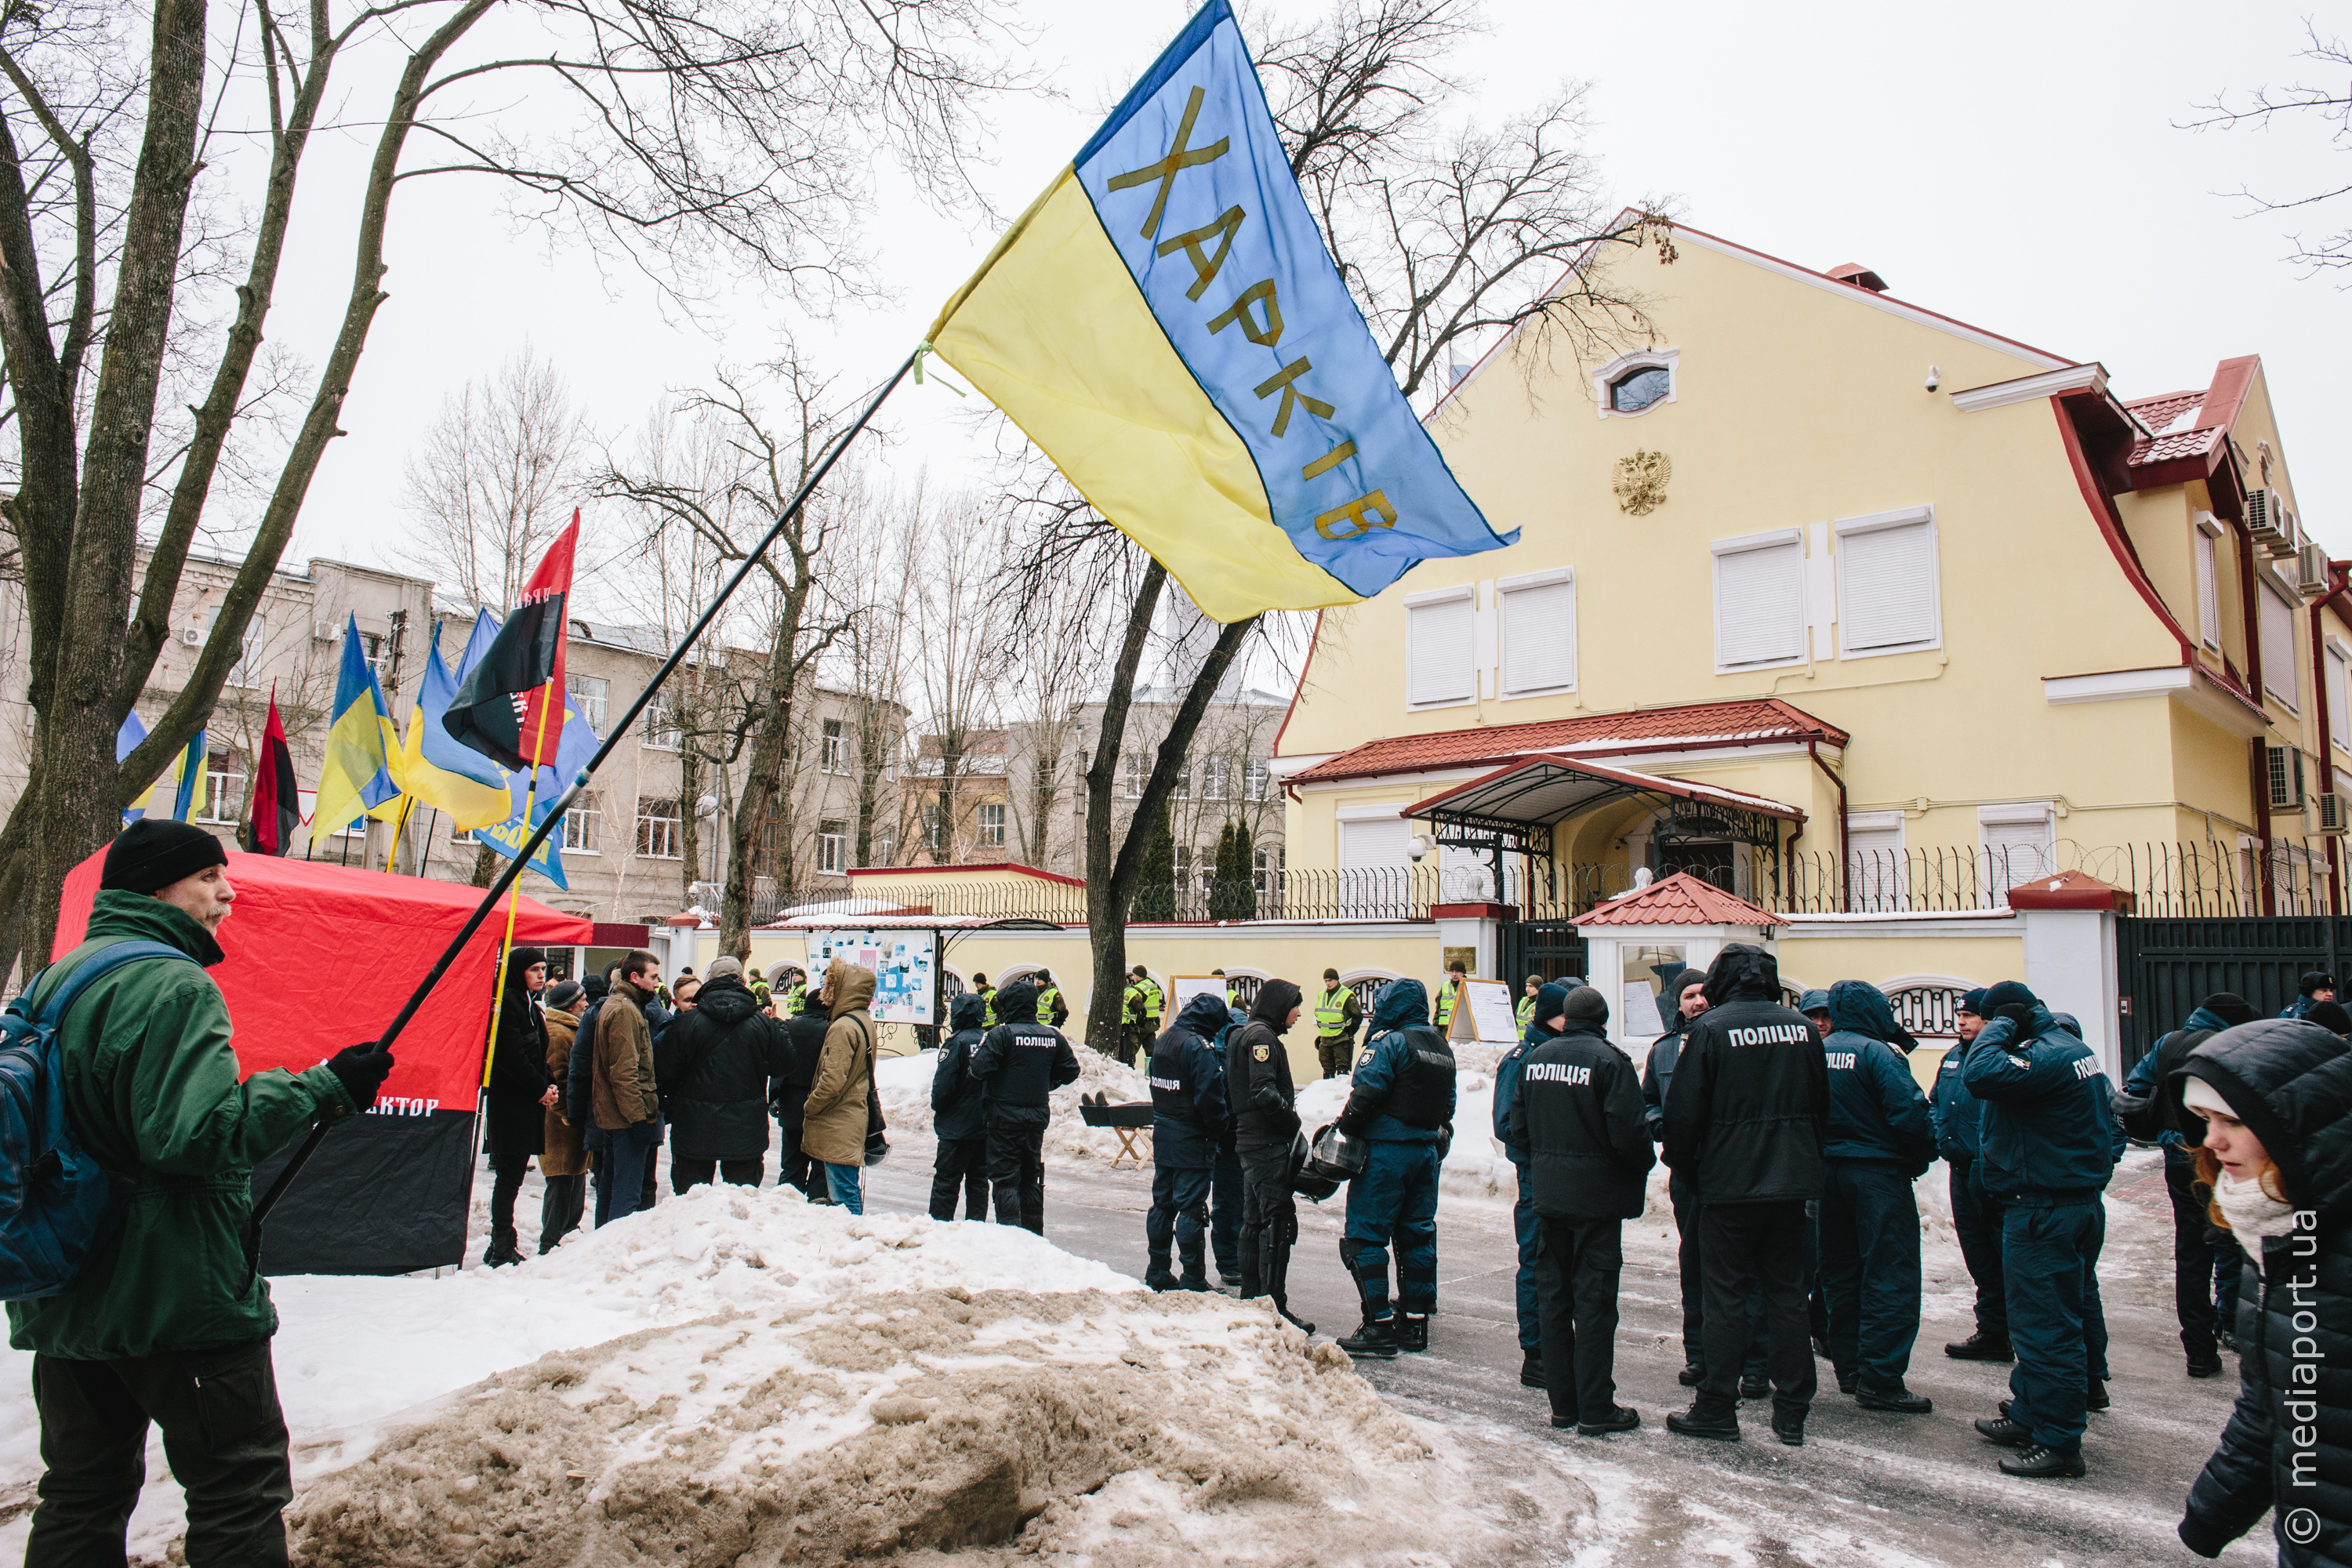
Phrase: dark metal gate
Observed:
(1553, 950)
(2165, 967)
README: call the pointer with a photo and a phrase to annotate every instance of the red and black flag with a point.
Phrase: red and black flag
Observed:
(498, 709)
(276, 800)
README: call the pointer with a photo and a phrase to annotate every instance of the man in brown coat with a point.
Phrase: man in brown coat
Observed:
(564, 1161)
(626, 1110)
(833, 1125)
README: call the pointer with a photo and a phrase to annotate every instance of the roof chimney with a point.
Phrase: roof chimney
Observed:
(1861, 277)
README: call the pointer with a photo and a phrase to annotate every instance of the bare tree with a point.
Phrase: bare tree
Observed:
(873, 662)
(494, 481)
(773, 459)
(2331, 104)
(958, 664)
(685, 139)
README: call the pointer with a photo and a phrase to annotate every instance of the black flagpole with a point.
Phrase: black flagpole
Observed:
(557, 808)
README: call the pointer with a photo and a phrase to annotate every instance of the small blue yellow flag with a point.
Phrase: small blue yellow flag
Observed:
(193, 773)
(363, 748)
(1167, 324)
(437, 770)
(576, 743)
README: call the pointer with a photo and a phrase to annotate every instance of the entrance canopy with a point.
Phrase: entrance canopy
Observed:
(1515, 808)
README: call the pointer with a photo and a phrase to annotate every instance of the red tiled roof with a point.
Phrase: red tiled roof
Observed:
(2202, 438)
(2180, 444)
(1681, 899)
(1756, 721)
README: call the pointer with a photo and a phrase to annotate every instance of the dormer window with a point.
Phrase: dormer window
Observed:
(1634, 383)
(1637, 389)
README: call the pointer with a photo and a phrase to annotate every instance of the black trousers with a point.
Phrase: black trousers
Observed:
(1016, 1174)
(223, 1437)
(1577, 1267)
(1741, 1247)
(1694, 1282)
(2196, 1249)
(1976, 1219)
(792, 1165)
(507, 1171)
(1269, 1220)
(962, 1168)
(1225, 1213)
(561, 1209)
(685, 1173)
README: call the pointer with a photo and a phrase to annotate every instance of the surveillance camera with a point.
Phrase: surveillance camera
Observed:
(1420, 846)
(1934, 376)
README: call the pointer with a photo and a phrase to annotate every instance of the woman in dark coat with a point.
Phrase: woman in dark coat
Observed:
(2273, 1099)
(714, 1063)
(514, 1123)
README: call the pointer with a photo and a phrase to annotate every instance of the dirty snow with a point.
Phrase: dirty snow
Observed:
(739, 1377)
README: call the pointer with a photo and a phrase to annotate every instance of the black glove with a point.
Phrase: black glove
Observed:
(1445, 1142)
(362, 1069)
(2020, 1017)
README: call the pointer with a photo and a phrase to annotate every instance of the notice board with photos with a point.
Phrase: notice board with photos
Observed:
(1485, 1015)
(905, 965)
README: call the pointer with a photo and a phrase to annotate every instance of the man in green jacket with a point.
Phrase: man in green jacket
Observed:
(170, 1322)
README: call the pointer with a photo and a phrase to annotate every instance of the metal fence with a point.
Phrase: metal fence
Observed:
(2179, 880)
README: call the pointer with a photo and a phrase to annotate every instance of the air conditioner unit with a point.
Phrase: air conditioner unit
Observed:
(325, 631)
(2331, 813)
(2266, 519)
(2285, 777)
(193, 636)
(2311, 573)
(2291, 539)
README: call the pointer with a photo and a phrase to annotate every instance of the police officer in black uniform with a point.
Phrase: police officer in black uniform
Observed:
(1188, 1118)
(1266, 1124)
(1578, 1114)
(1746, 1117)
(1019, 1064)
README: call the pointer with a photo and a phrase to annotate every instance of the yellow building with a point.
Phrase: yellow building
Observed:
(1844, 606)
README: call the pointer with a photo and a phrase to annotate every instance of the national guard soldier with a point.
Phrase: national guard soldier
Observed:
(1449, 995)
(1525, 1013)
(1401, 1102)
(2050, 1143)
(1020, 1063)
(1338, 1015)
(1051, 1008)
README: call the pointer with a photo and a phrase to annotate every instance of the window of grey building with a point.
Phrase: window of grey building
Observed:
(1212, 777)
(658, 830)
(833, 749)
(661, 722)
(588, 693)
(832, 846)
(1261, 779)
(991, 825)
(224, 791)
(583, 825)
(1135, 769)
(247, 671)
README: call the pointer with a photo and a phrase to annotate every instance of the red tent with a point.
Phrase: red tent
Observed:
(321, 956)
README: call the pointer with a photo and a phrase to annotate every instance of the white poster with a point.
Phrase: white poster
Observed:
(1489, 1007)
(904, 965)
(1182, 988)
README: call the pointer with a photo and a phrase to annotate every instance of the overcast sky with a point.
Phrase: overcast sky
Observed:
(2016, 165)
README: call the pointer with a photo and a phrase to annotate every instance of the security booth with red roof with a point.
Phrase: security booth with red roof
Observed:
(1641, 943)
(321, 957)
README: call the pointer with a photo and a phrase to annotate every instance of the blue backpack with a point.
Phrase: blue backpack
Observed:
(58, 1205)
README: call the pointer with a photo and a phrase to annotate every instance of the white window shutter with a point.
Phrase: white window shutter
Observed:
(1759, 605)
(2278, 646)
(1888, 579)
(2209, 593)
(2339, 712)
(1539, 638)
(1438, 639)
(1875, 880)
(1375, 844)
(2015, 852)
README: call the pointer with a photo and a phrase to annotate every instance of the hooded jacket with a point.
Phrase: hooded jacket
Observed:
(1578, 1114)
(1189, 1088)
(622, 1065)
(832, 1121)
(514, 1122)
(1021, 1062)
(714, 1063)
(1257, 1070)
(2141, 1108)
(956, 1112)
(1876, 1111)
(151, 1086)
(1403, 1089)
(2290, 1083)
(562, 1152)
(1748, 1111)
(2050, 1133)
(1548, 1001)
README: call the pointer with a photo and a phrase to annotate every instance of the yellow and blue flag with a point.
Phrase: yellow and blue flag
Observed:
(439, 771)
(363, 748)
(189, 768)
(126, 740)
(1167, 324)
(192, 770)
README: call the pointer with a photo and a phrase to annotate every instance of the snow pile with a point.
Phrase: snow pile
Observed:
(905, 1086)
(851, 1387)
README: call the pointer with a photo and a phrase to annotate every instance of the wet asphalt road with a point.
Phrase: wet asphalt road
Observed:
(1867, 1489)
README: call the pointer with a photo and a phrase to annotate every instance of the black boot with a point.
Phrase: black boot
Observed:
(1692, 1374)
(2002, 1430)
(1376, 1339)
(1789, 1426)
(1699, 1422)
(1156, 1274)
(1531, 1373)
(1891, 1396)
(1412, 1331)
(2095, 1394)
(1282, 1305)
(2042, 1462)
(1981, 1346)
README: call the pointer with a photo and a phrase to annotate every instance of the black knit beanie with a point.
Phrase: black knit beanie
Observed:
(1585, 1002)
(153, 854)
